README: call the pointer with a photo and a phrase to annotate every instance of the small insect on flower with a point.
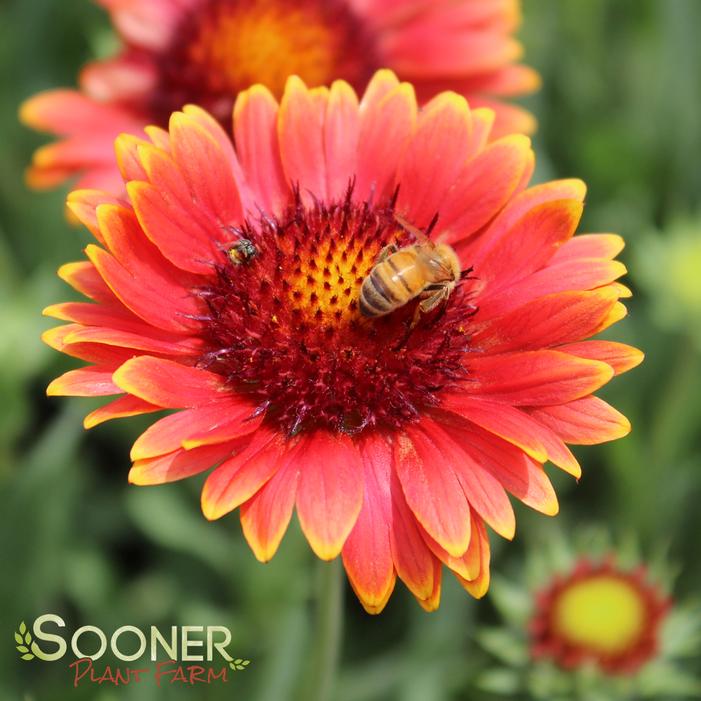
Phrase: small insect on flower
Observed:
(423, 269)
(243, 251)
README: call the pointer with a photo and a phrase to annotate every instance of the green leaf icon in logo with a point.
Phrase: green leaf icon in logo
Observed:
(239, 664)
(23, 638)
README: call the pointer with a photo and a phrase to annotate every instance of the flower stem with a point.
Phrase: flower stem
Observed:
(327, 632)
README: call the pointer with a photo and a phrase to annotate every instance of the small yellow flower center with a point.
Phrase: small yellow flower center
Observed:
(603, 613)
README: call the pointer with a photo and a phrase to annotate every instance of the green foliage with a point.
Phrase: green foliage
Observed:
(621, 108)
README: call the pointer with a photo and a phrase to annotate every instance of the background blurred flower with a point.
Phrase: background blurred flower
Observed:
(206, 51)
(238, 294)
(667, 268)
(598, 612)
(586, 620)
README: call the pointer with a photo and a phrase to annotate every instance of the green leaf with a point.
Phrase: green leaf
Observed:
(504, 645)
(238, 660)
(28, 638)
(499, 681)
(22, 648)
(513, 602)
(28, 656)
(18, 638)
(22, 628)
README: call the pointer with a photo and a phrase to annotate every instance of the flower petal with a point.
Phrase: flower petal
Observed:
(301, 135)
(502, 420)
(67, 112)
(541, 231)
(467, 565)
(91, 381)
(432, 489)
(484, 187)
(385, 127)
(169, 384)
(524, 202)
(117, 409)
(184, 240)
(484, 493)
(618, 355)
(535, 378)
(433, 600)
(586, 421)
(421, 54)
(152, 305)
(519, 474)
(367, 554)
(341, 133)
(206, 168)
(148, 342)
(570, 275)
(239, 478)
(191, 428)
(438, 146)
(330, 491)
(264, 517)
(258, 148)
(127, 149)
(83, 204)
(415, 564)
(479, 586)
(546, 322)
(606, 246)
(178, 464)
(83, 277)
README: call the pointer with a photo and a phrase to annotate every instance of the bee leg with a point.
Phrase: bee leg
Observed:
(424, 307)
(386, 252)
(409, 327)
(430, 303)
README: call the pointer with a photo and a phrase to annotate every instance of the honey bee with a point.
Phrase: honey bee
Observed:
(242, 251)
(424, 269)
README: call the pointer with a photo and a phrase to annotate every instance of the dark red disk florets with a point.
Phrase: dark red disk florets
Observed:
(284, 326)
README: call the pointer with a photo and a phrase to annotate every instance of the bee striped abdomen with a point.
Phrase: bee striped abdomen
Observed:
(386, 288)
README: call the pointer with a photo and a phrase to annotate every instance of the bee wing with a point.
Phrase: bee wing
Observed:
(413, 230)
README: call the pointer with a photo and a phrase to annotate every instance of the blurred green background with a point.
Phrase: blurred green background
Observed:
(620, 108)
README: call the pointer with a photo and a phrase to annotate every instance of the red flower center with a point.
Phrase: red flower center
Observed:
(284, 324)
(225, 46)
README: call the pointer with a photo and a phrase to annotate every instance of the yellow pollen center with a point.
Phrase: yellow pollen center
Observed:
(326, 286)
(603, 613)
(265, 42)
